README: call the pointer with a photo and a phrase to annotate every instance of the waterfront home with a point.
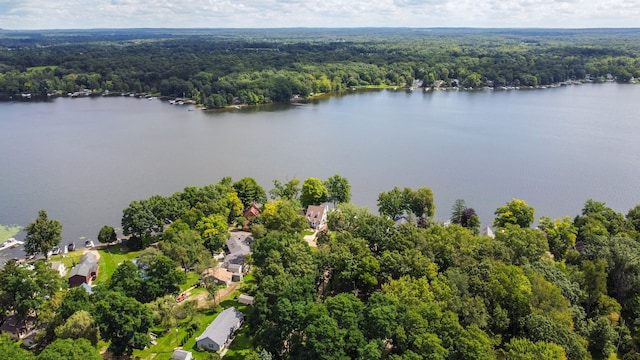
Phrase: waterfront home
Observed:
(219, 334)
(316, 216)
(86, 271)
(251, 213)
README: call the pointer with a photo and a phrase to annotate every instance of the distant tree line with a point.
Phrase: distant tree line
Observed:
(224, 68)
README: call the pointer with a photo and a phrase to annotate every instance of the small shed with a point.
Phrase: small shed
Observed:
(246, 299)
(179, 354)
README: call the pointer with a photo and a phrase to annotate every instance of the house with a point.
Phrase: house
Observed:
(239, 247)
(218, 275)
(86, 270)
(487, 232)
(236, 270)
(59, 267)
(400, 220)
(15, 327)
(179, 354)
(246, 299)
(251, 213)
(218, 335)
(316, 216)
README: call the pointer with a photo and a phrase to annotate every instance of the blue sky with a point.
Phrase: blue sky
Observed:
(66, 14)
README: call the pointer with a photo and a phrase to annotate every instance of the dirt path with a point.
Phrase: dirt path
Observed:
(203, 298)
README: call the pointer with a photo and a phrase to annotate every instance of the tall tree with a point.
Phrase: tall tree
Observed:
(339, 189)
(287, 191)
(515, 212)
(421, 202)
(185, 246)
(138, 220)
(123, 321)
(314, 192)
(214, 230)
(456, 211)
(394, 202)
(80, 325)
(42, 235)
(250, 192)
(107, 235)
(65, 349)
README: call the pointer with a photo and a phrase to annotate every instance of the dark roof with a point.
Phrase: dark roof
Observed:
(82, 269)
(239, 244)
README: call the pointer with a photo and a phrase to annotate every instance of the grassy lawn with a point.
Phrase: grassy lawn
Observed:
(307, 232)
(168, 341)
(8, 231)
(110, 258)
(192, 279)
(40, 68)
(241, 345)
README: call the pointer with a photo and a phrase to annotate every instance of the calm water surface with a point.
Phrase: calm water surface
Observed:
(85, 159)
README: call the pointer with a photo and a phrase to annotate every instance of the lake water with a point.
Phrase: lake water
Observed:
(85, 159)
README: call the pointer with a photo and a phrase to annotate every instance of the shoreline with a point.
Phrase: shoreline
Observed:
(181, 101)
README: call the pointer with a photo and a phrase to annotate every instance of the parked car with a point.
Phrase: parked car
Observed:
(88, 244)
(71, 246)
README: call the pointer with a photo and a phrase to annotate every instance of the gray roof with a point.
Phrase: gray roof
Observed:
(222, 326)
(82, 269)
(239, 244)
(179, 354)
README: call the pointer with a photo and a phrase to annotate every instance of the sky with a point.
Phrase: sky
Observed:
(83, 14)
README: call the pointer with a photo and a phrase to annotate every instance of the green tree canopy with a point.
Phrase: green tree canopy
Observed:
(70, 349)
(314, 192)
(42, 235)
(515, 212)
(250, 192)
(339, 189)
(107, 235)
(123, 321)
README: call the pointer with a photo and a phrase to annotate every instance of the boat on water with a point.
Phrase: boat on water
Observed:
(10, 243)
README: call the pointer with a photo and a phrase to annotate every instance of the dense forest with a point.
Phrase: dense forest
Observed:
(393, 286)
(218, 67)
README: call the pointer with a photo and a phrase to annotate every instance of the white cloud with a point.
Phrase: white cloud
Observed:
(41, 14)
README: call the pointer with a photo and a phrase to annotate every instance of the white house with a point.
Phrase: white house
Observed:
(59, 267)
(218, 335)
(316, 216)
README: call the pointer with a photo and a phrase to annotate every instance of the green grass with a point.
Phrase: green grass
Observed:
(307, 232)
(40, 68)
(110, 258)
(168, 341)
(9, 231)
(192, 279)
(241, 345)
